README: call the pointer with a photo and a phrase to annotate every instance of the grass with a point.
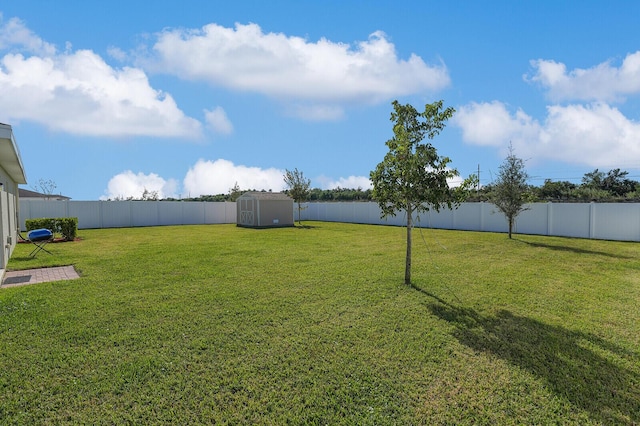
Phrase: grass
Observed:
(219, 324)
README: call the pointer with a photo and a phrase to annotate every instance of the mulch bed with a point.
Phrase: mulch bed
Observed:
(55, 240)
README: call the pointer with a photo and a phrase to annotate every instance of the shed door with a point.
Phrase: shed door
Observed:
(246, 211)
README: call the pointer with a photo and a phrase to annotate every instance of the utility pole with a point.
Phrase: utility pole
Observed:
(478, 184)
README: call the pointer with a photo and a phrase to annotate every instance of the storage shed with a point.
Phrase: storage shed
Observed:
(264, 210)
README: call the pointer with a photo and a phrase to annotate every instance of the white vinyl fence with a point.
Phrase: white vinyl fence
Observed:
(608, 221)
(126, 214)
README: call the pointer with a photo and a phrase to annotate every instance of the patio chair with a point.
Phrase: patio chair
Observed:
(39, 238)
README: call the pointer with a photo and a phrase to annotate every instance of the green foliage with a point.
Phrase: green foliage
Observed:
(413, 177)
(587, 194)
(41, 223)
(211, 198)
(66, 226)
(533, 330)
(340, 194)
(509, 193)
(234, 192)
(614, 182)
(556, 191)
(298, 187)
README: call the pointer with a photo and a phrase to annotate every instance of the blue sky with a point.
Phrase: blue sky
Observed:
(107, 99)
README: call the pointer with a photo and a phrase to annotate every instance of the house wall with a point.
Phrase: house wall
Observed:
(8, 218)
(4, 230)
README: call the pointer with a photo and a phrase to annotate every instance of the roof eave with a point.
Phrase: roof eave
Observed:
(10, 159)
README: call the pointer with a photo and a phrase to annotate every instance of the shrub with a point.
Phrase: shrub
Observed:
(67, 226)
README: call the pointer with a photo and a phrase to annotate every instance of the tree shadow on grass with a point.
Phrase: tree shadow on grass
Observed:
(572, 249)
(303, 226)
(571, 363)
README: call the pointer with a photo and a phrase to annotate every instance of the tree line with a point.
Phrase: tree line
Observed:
(595, 186)
(314, 194)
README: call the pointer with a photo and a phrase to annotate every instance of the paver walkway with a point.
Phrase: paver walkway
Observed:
(40, 275)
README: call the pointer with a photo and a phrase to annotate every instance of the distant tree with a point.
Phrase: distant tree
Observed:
(591, 194)
(616, 183)
(593, 179)
(556, 191)
(603, 186)
(149, 195)
(412, 177)
(340, 194)
(510, 188)
(210, 198)
(298, 188)
(45, 187)
(234, 192)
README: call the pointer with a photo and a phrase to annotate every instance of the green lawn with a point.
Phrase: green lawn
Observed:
(219, 324)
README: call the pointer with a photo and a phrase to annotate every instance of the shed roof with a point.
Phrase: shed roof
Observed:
(272, 196)
(10, 155)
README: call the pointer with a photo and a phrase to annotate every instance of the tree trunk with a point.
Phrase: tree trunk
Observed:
(407, 268)
(510, 226)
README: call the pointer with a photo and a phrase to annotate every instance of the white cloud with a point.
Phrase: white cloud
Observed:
(117, 53)
(596, 135)
(316, 112)
(79, 93)
(351, 182)
(217, 177)
(455, 181)
(491, 124)
(15, 34)
(602, 82)
(287, 67)
(130, 185)
(218, 121)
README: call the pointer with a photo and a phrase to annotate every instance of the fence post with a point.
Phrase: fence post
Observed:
(592, 219)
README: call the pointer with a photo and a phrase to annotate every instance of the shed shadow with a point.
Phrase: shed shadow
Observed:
(561, 357)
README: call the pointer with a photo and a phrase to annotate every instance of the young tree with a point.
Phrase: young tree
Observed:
(412, 177)
(510, 189)
(235, 192)
(298, 188)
